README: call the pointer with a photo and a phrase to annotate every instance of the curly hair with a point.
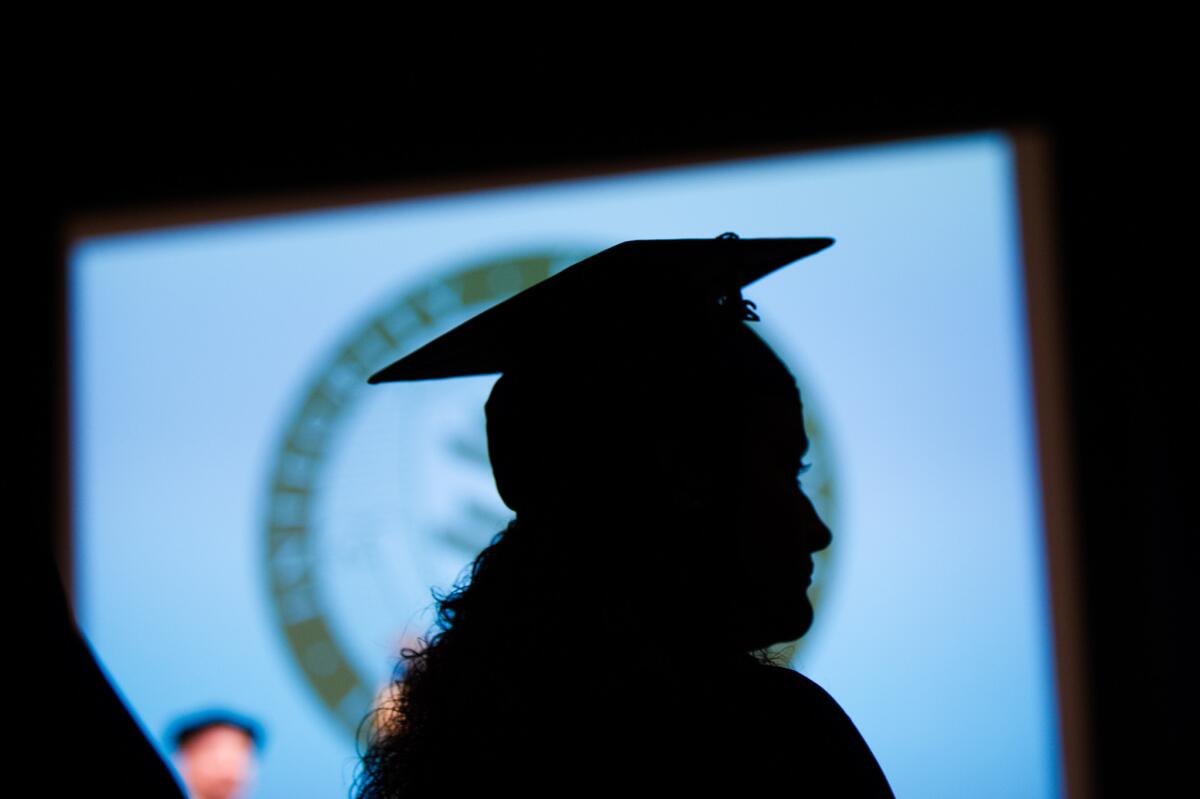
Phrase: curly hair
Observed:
(511, 641)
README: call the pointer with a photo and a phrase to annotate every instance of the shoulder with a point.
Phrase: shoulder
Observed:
(810, 726)
(798, 692)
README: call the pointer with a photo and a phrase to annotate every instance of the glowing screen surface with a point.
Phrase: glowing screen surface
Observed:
(259, 530)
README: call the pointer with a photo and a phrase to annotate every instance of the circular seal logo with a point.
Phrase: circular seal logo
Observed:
(375, 497)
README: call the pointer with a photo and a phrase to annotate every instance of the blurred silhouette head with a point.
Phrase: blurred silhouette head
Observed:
(215, 754)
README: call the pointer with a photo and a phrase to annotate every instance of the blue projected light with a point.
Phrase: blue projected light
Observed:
(257, 529)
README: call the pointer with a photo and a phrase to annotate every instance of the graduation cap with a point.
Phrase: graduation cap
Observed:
(625, 293)
(188, 727)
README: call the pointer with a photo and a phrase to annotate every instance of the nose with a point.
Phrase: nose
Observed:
(819, 535)
(824, 537)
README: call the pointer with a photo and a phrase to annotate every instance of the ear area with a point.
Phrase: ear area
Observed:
(683, 481)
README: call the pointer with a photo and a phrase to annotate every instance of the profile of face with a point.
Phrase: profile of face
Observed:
(217, 763)
(715, 439)
(778, 528)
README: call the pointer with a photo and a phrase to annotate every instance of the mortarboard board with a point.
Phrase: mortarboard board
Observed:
(625, 289)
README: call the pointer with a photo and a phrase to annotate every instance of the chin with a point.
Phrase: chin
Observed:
(800, 624)
(783, 627)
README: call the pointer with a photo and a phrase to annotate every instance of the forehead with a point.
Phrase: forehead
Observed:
(219, 736)
(774, 422)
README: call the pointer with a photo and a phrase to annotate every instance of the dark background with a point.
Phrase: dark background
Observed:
(104, 141)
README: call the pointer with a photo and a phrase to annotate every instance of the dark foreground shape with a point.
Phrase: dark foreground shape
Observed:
(650, 444)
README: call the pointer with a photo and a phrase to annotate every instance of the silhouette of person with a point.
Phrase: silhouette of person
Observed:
(611, 636)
